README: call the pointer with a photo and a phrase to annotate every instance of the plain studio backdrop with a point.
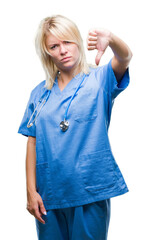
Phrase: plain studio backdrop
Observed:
(129, 130)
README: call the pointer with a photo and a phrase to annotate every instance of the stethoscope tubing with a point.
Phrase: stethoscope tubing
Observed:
(43, 101)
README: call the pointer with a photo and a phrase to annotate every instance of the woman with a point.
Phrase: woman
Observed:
(70, 169)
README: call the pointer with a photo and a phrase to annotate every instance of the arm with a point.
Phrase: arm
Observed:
(122, 56)
(100, 39)
(34, 201)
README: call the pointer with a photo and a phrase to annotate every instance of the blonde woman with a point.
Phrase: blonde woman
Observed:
(71, 172)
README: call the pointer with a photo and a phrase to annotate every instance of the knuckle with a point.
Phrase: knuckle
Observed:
(31, 208)
(28, 207)
(41, 203)
(35, 209)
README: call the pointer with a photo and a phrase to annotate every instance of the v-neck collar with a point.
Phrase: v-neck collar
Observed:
(69, 87)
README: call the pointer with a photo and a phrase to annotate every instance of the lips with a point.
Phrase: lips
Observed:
(65, 59)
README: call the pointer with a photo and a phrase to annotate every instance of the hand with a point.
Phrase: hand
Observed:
(98, 39)
(35, 206)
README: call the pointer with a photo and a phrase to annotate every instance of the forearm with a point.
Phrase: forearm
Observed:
(120, 49)
(31, 165)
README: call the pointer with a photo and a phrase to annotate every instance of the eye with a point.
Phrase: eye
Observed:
(53, 47)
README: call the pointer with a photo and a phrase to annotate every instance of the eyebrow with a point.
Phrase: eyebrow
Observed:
(52, 44)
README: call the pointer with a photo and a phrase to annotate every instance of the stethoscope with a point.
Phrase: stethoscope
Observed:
(64, 125)
(42, 101)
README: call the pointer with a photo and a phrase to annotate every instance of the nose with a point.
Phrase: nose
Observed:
(63, 49)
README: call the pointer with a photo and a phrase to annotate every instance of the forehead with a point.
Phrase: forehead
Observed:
(51, 39)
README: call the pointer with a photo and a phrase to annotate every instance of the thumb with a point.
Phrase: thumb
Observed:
(98, 57)
(42, 208)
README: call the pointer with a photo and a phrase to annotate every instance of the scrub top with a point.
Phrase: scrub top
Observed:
(75, 167)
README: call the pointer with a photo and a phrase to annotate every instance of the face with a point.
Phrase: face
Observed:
(63, 53)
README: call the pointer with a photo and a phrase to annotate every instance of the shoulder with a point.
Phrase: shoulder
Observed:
(98, 72)
(38, 90)
(101, 71)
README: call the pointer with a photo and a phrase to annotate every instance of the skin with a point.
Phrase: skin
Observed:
(98, 39)
(34, 201)
(60, 49)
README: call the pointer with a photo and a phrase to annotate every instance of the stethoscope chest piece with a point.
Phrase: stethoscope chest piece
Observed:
(64, 125)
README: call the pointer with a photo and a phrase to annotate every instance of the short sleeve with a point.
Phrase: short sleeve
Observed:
(110, 84)
(37, 99)
(23, 129)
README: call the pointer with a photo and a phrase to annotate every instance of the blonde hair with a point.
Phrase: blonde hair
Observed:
(64, 29)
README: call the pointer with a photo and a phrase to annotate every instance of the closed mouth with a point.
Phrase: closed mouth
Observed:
(66, 58)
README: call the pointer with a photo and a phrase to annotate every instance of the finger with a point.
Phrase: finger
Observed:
(92, 43)
(91, 47)
(92, 33)
(91, 38)
(38, 216)
(98, 57)
(42, 208)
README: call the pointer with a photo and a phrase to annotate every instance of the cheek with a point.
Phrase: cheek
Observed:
(76, 52)
(54, 59)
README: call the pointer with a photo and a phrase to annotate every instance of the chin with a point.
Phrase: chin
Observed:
(67, 66)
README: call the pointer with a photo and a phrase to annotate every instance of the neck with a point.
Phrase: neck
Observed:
(66, 77)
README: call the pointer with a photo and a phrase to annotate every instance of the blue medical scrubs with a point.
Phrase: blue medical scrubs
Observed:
(87, 222)
(75, 167)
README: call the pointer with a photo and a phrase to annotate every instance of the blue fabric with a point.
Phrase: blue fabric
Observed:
(37, 93)
(76, 167)
(90, 222)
